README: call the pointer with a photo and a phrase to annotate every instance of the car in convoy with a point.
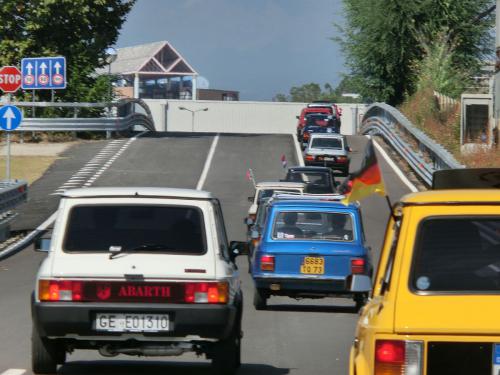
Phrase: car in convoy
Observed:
(336, 110)
(311, 247)
(307, 111)
(436, 296)
(255, 230)
(138, 271)
(267, 189)
(311, 129)
(318, 180)
(328, 150)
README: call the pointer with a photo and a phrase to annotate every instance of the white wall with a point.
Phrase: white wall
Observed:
(236, 117)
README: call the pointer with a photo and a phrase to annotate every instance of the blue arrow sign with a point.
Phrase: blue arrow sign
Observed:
(10, 117)
(43, 73)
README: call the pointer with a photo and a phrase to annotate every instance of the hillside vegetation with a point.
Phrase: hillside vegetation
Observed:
(443, 126)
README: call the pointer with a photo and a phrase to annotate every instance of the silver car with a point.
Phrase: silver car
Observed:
(328, 150)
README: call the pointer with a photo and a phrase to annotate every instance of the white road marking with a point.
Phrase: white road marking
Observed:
(396, 169)
(13, 371)
(206, 167)
(93, 169)
(298, 150)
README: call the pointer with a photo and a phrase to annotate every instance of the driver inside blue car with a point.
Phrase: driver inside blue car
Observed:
(337, 223)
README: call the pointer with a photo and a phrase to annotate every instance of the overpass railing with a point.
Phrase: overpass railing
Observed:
(120, 116)
(423, 154)
(12, 194)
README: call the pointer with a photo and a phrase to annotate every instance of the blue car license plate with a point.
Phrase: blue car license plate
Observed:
(313, 266)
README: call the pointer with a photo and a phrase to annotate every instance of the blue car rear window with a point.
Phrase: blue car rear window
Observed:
(314, 226)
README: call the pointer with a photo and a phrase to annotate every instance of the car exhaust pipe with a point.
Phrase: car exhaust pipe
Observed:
(146, 350)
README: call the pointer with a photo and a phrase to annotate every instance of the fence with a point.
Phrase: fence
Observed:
(422, 153)
(122, 115)
(12, 194)
(237, 116)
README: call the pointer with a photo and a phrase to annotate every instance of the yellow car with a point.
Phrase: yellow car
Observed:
(435, 304)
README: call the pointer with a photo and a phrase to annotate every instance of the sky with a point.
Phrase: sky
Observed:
(257, 47)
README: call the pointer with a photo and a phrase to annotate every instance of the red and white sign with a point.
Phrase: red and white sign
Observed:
(10, 79)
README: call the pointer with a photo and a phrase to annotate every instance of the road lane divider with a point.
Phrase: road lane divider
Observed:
(298, 150)
(14, 371)
(206, 167)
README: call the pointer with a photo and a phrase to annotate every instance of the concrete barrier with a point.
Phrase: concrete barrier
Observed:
(239, 117)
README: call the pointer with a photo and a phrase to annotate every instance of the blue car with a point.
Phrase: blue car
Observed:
(311, 248)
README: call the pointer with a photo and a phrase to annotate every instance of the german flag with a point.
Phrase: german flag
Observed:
(367, 180)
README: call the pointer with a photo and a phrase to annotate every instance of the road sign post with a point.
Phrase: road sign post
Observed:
(10, 116)
(43, 73)
(10, 79)
(10, 119)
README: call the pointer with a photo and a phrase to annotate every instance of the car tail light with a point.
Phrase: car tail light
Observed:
(341, 159)
(305, 135)
(206, 292)
(267, 263)
(398, 357)
(310, 157)
(60, 290)
(357, 266)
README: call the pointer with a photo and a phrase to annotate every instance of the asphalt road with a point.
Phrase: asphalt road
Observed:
(292, 337)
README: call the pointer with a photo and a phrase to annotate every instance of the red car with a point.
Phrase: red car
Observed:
(311, 110)
(318, 108)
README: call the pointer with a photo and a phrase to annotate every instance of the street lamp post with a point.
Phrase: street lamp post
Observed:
(193, 111)
(111, 55)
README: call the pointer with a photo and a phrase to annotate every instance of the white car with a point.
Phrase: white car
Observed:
(267, 189)
(328, 150)
(138, 271)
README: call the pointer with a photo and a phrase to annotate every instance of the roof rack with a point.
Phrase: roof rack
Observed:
(285, 192)
(311, 197)
(467, 178)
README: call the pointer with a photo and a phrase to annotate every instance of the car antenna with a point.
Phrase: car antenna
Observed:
(388, 200)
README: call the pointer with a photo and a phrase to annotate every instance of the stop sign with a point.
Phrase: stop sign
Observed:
(10, 79)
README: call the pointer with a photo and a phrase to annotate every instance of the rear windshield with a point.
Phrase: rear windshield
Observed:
(333, 143)
(309, 177)
(326, 226)
(457, 254)
(172, 229)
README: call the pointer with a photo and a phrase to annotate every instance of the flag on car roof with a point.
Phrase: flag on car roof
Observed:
(283, 161)
(250, 176)
(368, 179)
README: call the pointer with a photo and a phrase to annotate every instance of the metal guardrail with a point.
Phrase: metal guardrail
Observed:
(124, 114)
(12, 194)
(423, 154)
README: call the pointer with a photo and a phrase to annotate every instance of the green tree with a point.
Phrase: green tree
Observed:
(437, 71)
(280, 98)
(310, 92)
(80, 30)
(381, 40)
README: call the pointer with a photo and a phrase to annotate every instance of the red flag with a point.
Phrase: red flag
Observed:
(283, 161)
